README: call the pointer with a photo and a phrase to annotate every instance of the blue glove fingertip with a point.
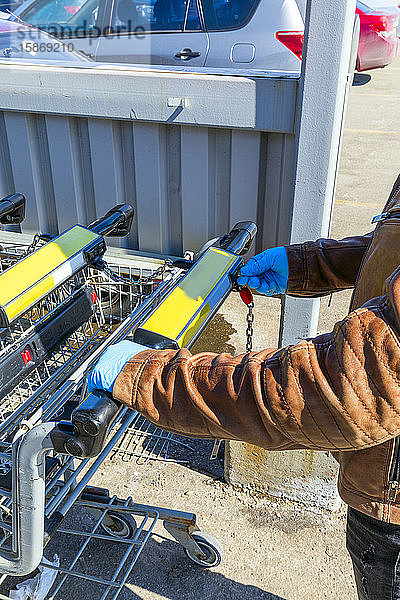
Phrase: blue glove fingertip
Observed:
(254, 282)
(242, 280)
(248, 269)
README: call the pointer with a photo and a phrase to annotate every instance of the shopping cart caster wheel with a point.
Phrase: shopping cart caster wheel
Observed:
(212, 548)
(119, 525)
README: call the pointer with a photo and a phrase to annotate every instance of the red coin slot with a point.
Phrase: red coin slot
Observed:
(26, 355)
(94, 297)
(246, 295)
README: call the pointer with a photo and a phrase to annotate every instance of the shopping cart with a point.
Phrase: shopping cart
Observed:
(54, 437)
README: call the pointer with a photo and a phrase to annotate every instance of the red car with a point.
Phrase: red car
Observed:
(379, 28)
(378, 43)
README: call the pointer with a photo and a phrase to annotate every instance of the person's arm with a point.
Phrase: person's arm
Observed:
(310, 269)
(324, 266)
(338, 391)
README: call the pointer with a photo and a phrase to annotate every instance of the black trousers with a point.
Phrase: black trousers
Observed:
(374, 548)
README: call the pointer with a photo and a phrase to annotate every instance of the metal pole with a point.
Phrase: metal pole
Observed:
(327, 72)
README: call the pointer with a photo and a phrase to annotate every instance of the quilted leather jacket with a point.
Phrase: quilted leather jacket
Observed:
(338, 392)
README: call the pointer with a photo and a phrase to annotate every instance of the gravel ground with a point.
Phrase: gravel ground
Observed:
(274, 550)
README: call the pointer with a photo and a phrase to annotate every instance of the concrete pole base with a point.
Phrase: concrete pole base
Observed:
(305, 476)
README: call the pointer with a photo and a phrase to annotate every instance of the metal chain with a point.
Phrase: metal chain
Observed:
(33, 245)
(114, 276)
(250, 329)
(101, 265)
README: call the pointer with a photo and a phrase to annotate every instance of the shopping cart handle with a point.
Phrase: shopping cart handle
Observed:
(84, 436)
(116, 223)
(12, 209)
(239, 239)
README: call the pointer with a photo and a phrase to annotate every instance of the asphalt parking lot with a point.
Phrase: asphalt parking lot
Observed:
(274, 550)
(369, 165)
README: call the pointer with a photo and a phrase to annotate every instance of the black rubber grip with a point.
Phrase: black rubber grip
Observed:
(12, 209)
(85, 435)
(116, 223)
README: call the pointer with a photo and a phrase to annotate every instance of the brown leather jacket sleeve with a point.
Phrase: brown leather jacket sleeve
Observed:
(325, 266)
(338, 391)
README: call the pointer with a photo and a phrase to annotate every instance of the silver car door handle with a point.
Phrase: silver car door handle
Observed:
(187, 54)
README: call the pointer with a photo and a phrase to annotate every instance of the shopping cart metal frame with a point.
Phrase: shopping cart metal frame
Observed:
(33, 496)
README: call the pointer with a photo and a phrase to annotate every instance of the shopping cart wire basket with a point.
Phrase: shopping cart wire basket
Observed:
(54, 436)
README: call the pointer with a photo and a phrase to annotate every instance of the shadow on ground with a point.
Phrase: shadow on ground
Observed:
(179, 579)
(161, 572)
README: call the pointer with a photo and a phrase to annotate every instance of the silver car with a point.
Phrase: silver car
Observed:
(17, 41)
(256, 34)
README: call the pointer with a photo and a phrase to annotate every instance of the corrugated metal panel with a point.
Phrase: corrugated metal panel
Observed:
(187, 184)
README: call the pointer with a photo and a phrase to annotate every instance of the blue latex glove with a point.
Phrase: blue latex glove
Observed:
(110, 365)
(267, 272)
